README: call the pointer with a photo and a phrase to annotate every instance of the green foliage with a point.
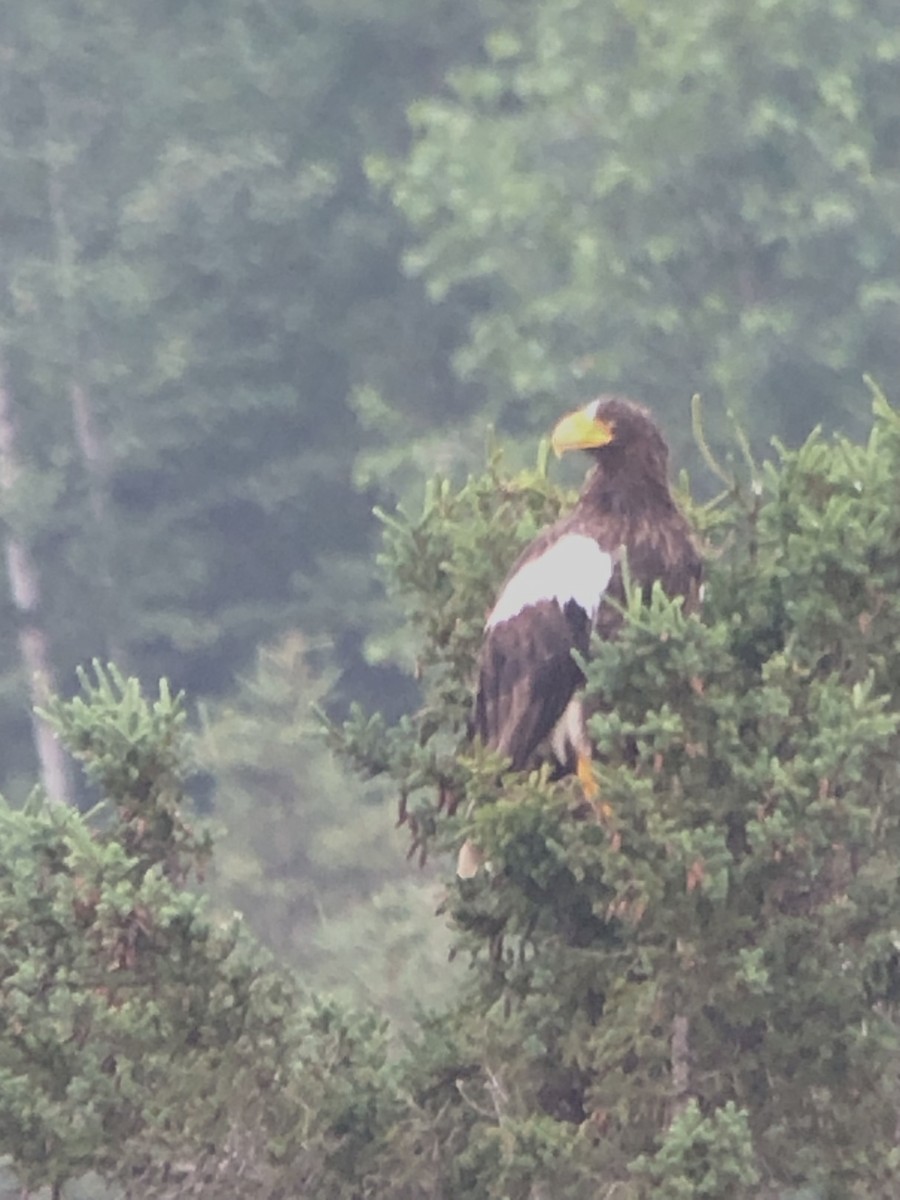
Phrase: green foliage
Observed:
(609, 195)
(306, 854)
(143, 1039)
(199, 287)
(698, 995)
(134, 751)
(703, 1157)
(694, 997)
(442, 568)
(668, 201)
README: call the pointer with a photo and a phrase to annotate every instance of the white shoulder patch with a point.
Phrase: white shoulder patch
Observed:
(573, 568)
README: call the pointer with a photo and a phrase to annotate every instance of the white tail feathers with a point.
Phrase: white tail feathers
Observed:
(469, 860)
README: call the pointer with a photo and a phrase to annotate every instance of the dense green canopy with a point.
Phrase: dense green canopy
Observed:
(266, 265)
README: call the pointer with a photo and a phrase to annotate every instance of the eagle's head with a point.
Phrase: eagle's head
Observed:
(616, 431)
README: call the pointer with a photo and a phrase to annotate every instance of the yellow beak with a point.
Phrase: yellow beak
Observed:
(580, 431)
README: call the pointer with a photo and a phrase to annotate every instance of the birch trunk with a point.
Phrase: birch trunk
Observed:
(89, 448)
(681, 1070)
(87, 438)
(34, 645)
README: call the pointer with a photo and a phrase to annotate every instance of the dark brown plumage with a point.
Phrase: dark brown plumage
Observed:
(552, 600)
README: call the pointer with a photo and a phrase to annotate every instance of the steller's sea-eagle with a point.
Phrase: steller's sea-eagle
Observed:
(529, 681)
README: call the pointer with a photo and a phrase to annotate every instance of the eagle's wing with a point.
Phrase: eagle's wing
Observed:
(545, 610)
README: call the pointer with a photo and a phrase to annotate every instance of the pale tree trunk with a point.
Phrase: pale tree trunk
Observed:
(34, 645)
(89, 447)
(681, 1065)
(86, 437)
(84, 424)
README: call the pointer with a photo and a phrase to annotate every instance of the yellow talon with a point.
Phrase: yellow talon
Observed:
(587, 778)
(590, 785)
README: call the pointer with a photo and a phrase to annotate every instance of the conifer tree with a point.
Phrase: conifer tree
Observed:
(303, 850)
(144, 1040)
(699, 998)
(625, 196)
(196, 277)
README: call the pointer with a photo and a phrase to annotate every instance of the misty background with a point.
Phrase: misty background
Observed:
(268, 265)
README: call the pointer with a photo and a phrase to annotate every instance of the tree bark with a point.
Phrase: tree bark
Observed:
(89, 447)
(87, 439)
(24, 586)
(681, 1078)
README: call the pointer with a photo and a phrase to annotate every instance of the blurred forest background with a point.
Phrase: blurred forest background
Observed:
(269, 263)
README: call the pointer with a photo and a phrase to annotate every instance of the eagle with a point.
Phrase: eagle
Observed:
(554, 599)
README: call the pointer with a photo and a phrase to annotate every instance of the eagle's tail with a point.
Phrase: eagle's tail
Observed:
(469, 860)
